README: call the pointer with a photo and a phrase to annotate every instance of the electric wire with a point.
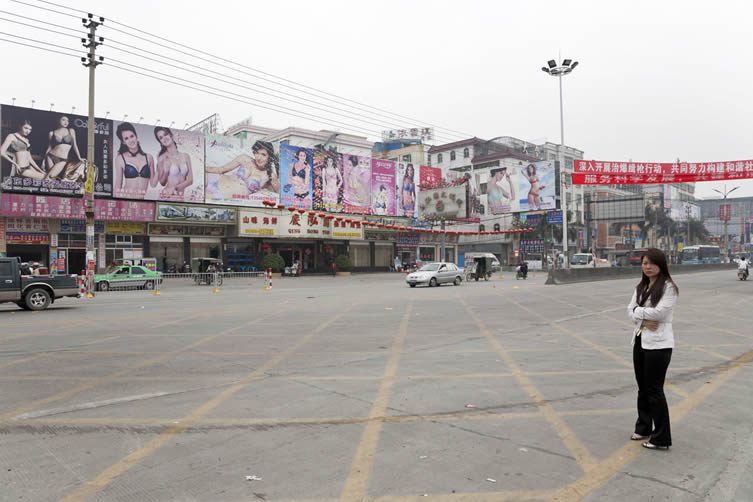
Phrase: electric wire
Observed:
(35, 47)
(390, 114)
(207, 91)
(110, 46)
(39, 28)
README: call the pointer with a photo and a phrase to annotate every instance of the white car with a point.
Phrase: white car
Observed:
(435, 274)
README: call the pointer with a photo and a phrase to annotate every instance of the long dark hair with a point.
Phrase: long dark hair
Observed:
(272, 161)
(166, 130)
(642, 291)
(127, 126)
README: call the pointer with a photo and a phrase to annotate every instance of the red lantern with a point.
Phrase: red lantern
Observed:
(380, 225)
(322, 215)
(280, 206)
(291, 209)
(301, 211)
(312, 213)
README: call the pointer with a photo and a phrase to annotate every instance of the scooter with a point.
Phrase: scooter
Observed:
(520, 274)
(742, 274)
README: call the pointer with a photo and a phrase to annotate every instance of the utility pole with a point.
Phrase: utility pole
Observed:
(687, 217)
(90, 62)
(723, 211)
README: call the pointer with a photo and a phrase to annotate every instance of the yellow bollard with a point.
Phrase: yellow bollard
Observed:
(215, 290)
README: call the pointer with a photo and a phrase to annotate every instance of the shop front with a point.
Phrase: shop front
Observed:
(28, 238)
(184, 232)
(52, 230)
(303, 237)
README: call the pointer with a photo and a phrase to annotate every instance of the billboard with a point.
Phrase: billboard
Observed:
(529, 187)
(429, 176)
(328, 181)
(604, 172)
(196, 214)
(157, 163)
(443, 203)
(240, 173)
(37, 206)
(295, 176)
(406, 190)
(357, 191)
(45, 152)
(382, 187)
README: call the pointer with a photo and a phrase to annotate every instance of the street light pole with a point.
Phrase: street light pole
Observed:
(559, 71)
(726, 218)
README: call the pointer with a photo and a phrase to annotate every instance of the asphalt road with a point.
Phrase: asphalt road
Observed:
(360, 388)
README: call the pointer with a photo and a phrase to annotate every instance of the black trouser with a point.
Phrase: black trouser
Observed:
(650, 370)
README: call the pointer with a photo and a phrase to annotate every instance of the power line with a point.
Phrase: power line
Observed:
(39, 27)
(35, 47)
(391, 114)
(39, 21)
(213, 77)
(205, 90)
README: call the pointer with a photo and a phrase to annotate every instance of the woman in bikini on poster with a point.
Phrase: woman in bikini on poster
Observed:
(534, 197)
(16, 149)
(62, 149)
(173, 166)
(134, 170)
(408, 192)
(298, 176)
(332, 181)
(250, 175)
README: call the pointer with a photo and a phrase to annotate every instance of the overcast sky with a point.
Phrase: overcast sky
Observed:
(657, 81)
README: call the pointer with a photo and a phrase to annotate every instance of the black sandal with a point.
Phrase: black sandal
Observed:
(651, 446)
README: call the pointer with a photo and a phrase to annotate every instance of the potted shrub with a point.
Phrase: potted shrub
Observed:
(343, 264)
(273, 261)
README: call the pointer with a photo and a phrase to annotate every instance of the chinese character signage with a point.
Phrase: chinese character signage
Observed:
(600, 172)
(422, 133)
(39, 206)
(532, 246)
(303, 224)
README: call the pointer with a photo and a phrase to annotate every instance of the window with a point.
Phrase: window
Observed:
(481, 228)
(123, 271)
(429, 159)
(407, 158)
(439, 158)
(496, 227)
(138, 271)
(466, 153)
(5, 269)
(452, 155)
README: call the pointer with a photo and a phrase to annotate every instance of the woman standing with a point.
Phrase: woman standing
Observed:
(62, 149)
(298, 176)
(16, 149)
(173, 167)
(534, 193)
(408, 192)
(134, 169)
(332, 181)
(651, 308)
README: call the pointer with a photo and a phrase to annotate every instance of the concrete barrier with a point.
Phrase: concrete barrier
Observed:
(572, 275)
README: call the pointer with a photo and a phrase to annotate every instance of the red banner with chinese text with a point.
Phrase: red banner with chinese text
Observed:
(601, 172)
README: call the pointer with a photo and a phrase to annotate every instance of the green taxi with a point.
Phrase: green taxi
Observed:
(127, 277)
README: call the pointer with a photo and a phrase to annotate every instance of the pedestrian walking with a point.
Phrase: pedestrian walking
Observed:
(333, 266)
(398, 264)
(651, 308)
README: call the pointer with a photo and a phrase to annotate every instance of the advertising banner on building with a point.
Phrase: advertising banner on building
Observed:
(429, 176)
(157, 163)
(382, 187)
(2, 237)
(296, 225)
(295, 176)
(240, 173)
(443, 203)
(34, 225)
(328, 181)
(406, 195)
(357, 191)
(529, 187)
(602, 172)
(195, 214)
(125, 228)
(45, 152)
(37, 206)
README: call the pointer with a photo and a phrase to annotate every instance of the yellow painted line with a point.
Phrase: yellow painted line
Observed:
(511, 496)
(356, 483)
(96, 382)
(584, 458)
(118, 469)
(595, 478)
(461, 416)
(598, 348)
(24, 360)
(712, 353)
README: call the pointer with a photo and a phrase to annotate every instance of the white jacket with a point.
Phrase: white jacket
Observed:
(663, 337)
